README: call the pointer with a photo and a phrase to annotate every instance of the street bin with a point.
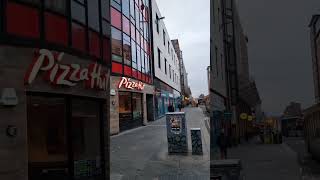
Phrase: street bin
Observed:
(228, 169)
(177, 133)
(196, 141)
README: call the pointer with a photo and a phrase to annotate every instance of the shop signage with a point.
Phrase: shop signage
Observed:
(66, 74)
(129, 84)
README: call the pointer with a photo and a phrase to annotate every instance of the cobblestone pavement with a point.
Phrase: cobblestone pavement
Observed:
(142, 153)
(267, 161)
(310, 169)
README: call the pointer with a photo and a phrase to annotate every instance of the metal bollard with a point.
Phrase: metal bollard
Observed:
(196, 141)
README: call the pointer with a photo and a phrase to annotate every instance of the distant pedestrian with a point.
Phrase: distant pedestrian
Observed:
(222, 142)
(180, 107)
(170, 108)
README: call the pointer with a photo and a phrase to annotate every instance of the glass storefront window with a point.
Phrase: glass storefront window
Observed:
(85, 136)
(47, 138)
(137, 106)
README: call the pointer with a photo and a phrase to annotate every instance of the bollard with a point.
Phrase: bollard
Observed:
(196, 141)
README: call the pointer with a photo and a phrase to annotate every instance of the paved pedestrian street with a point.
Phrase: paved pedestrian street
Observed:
(267, 161)
(142, 153)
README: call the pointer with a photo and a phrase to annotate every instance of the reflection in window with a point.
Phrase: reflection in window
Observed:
(134, 54)
(137, 106)
(105, 9)
(93, 14)
(56, 5)
(116, 4)
(78, 12)
(116, 45)
(116, 18)
(126, 8)
(132, 11)
(86, 139)
(126, 50)
(138, 58)
(125, 25)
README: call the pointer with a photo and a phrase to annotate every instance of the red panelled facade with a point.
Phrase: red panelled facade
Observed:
(130, 32)
(78, 27)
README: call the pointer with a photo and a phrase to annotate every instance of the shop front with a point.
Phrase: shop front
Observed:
(131, 104)
(55, 115)
(164, 96)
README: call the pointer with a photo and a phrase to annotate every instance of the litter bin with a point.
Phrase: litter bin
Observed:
(228, 169)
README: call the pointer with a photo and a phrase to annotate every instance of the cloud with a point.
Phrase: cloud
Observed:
(189, 21)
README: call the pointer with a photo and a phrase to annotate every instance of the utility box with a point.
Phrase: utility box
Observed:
(229, 169)
(196, 141)
(177, 133)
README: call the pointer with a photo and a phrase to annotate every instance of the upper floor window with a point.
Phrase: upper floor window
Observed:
(168, 47)
(78, 11)
(116, 4)
(164, 37)
(165, 65)
(57, 5)
(157, 23)
(93, 15)
(126, 8)
(159, 58)
(170, 71)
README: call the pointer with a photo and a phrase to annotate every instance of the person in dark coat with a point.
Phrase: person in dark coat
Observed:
(180, 107)
(222, 142)
(170, 108)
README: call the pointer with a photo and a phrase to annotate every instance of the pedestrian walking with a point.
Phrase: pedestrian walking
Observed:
(222, 143)
(170, 108)
(180, 107)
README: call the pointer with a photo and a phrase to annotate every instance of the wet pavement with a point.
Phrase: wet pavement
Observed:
(142, 153)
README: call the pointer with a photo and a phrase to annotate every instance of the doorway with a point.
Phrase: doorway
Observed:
(65, 138)
(150, 115)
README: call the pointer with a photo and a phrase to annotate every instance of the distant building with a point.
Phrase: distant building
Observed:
(292, 120)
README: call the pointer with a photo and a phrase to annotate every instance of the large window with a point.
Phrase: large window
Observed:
(116, 18)
(57, 5)
(164, 37)
(126, 50)
(126, 8)
(157, 22)
(78, 12)
(93, 15)
(170, 71)
(139, 58)
(116, 45)
(134, 54)
(51, 125)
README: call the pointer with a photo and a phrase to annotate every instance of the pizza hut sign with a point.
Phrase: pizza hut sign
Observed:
(129, 84)
(65, 74)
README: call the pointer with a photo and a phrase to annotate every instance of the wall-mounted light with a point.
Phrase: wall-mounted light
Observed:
(9, 97)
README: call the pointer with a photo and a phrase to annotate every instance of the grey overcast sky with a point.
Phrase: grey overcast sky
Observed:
(189, 21)
(279, 50)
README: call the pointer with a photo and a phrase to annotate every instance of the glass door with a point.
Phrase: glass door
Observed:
(47, 138)
(86, 140)
(137, 109)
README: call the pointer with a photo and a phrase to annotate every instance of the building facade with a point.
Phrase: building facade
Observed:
(185, 89)
(131, 82)
(54, 84)
(311, 115)
(165, 66)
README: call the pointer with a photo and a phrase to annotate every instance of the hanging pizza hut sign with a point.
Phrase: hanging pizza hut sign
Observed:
(65, 74)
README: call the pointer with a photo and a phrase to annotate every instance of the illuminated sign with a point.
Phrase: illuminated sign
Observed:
(66, 74)
(129, 84)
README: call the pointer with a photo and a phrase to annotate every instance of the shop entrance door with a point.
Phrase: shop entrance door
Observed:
(150, 115)
(65, 138)
(47, 139)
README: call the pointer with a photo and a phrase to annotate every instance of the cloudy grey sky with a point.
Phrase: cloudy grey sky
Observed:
(279, 49)
(188, 20)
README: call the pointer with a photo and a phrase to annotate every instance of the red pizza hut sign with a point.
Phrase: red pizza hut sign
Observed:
(129, 84)
(65, 74)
